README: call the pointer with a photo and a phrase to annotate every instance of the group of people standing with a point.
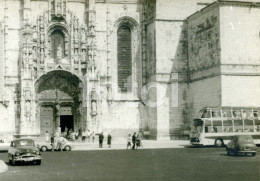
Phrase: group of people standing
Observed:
(136, 140)
(57, 140)
(101, 138)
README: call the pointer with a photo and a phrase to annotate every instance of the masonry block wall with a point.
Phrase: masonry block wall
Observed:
(204, 60)
(240, 57)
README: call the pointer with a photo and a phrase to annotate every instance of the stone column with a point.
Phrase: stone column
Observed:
(57, 116)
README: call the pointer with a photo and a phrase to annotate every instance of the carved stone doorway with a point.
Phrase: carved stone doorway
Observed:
(59, 101)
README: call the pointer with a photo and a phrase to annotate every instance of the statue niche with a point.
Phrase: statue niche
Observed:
(57, 45)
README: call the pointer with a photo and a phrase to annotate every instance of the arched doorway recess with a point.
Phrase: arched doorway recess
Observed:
(58, 101)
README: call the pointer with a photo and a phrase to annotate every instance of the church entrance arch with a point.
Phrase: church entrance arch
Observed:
(58, 95)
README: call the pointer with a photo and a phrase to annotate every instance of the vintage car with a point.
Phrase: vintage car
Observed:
(45, 146)
(4, 145)
(23, 150)
(241, 144)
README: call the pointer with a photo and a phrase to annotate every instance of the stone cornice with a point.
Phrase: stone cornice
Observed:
(240, 69)
(118, 1)
(224, 3)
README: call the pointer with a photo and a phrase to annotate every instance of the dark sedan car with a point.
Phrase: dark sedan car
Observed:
(242, 144)
(23, 150)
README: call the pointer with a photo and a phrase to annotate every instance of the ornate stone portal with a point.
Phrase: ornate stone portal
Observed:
(59, 101)
(57, 53)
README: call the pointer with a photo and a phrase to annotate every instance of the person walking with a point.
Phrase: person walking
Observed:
(129, 138)
(134, 140)
(52, 142)
(101, 138)
(109, 138)
(93, 136)
(139, 140)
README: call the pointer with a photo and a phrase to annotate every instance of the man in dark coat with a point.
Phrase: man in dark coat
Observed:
(101, 138)
(134, 141)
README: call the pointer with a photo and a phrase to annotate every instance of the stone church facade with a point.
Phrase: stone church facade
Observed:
(120, 66)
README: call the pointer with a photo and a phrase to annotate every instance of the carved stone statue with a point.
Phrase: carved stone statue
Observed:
(28, 111)
(34, 34)
(59, 52)
(93, 108)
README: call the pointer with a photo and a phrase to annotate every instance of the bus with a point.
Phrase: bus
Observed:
(216, 126)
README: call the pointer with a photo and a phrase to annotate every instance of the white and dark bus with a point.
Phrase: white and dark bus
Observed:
(216, 126)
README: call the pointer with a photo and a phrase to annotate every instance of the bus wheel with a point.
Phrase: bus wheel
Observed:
(218, 142)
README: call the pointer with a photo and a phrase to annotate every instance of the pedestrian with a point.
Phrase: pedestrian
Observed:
(88, 135)
(134, 140)
(101, 138)
(139, 140)
(47, 137)
(93, 136)
(109, 138)
(129, 138)
(84, 135)
(52, 142)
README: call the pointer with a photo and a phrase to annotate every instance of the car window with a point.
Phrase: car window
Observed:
(245, 138)
(23, 143)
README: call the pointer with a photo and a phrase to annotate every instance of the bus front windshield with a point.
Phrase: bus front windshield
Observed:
(197, 126)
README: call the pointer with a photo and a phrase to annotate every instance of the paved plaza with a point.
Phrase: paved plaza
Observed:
(144, 165)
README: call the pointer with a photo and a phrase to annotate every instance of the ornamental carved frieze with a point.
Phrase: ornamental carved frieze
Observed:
(50, 41)
(58, 9)
(204, 44)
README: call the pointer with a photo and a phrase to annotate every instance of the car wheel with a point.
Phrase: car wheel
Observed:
(44, 148)
(38, 162)
(13, 161)
(67, 148)
(218, 142)
(252, 154)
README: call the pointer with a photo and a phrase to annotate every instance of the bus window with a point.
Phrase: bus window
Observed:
(208, 127)
(249, 125)
(257, 125)
(238, 125)
(247, 113)
(206, 114)
(217, 126)
(237, 114)
(198, 126)
(256, 115)
(215, 113)
(228, 126)
(226, 113)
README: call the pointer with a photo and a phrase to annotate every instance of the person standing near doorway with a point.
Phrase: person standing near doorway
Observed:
(101, 138)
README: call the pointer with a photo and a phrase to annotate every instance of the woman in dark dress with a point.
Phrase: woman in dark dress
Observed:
(109, 138)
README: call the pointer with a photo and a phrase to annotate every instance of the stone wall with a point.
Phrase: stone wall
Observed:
(240, 91)
(204, 93)
(240, 57)
(242, 22)
(203, 39)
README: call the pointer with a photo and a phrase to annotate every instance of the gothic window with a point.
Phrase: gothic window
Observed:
(57, 42)
(124, 58)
